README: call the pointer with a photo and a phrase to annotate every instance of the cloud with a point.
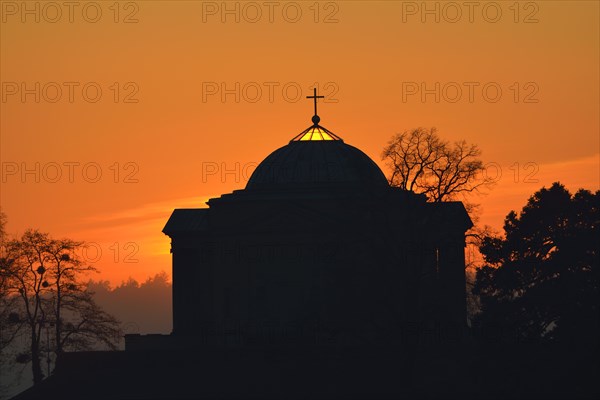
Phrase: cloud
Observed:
(130, 243)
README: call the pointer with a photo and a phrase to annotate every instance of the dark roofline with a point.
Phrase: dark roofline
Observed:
(186, 220)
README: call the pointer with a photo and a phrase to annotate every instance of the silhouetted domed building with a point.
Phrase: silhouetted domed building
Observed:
(318, 280)
(317, 248)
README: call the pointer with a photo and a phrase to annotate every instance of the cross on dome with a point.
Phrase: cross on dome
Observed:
(316, 131)
(315, 118)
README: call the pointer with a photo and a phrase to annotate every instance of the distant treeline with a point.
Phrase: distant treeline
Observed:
(140, 307)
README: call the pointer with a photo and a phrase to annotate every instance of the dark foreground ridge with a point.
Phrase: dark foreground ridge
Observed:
(516, 371)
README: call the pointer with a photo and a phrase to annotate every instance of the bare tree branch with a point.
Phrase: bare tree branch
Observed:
(421, 162)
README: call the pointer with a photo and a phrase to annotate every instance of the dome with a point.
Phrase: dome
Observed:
(317, 158)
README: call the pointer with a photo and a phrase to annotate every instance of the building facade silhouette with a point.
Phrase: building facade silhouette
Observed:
(317, 248)
(317, 280)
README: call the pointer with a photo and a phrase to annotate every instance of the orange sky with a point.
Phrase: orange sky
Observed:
(169, 57)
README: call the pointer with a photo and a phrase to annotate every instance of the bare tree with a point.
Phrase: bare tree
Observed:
(26, 281)
(79, 322)
(423, 163)
(10, 325)
(46, 275)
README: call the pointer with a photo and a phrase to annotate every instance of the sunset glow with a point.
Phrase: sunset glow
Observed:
(106, 127)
